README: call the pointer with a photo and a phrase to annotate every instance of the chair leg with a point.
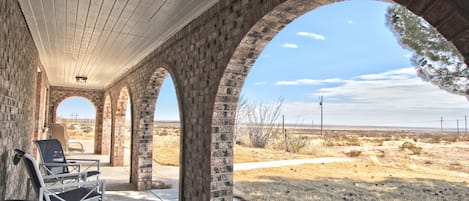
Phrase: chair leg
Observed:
(28, 189)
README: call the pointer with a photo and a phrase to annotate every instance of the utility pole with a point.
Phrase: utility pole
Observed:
(321, 105)
(74, 117)
(441, 125)
(457, 125)
(465, 124)
(285, 133)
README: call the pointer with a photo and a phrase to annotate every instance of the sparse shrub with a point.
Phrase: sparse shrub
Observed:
(411, 147)
(381, 153)
(353, 153)
(387, 137)
(436, 139)
(276, 143)
(455, 166)
(328, 142)
(352, 140)
(380, 142)
(261, 121)
(465, 138)
(296, 143)
(450, 138)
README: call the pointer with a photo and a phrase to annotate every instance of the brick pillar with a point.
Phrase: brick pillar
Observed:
(118, 136)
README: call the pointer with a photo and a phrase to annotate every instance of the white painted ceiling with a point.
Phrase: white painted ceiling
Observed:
(102, 39)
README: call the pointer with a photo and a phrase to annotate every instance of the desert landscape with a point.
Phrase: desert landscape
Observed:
(388, 163)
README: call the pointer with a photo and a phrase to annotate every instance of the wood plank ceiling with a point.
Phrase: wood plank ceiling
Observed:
(102, 39)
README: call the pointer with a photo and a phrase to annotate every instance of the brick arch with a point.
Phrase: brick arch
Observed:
(58, 94)
(451, 18)
(118, 125)
(104, 141)
(147, 111)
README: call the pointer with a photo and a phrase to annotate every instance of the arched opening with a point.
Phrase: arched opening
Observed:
(166, 139)
(160, 127)
(121, 137)
(78, 116)
(233, 79)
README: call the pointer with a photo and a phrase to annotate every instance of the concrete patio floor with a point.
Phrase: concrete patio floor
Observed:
(118, 187)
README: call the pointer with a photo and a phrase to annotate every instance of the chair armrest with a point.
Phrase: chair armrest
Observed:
(75, 184)
(62, 164)
(87, 162)
(80, 159)
(76, 175)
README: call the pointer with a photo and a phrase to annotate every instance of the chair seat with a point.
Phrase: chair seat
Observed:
(76, 194)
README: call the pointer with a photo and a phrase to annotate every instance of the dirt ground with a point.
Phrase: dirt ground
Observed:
(383, 170)
(359, 180)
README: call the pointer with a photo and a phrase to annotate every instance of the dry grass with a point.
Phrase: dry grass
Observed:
(166, 149)
(361, 180)
(73, 135)
(244, 154)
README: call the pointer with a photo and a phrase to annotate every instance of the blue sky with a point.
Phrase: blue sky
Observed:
(345, 53)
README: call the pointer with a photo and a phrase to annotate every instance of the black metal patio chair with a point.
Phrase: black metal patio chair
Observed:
(54, 162)
(76, 191)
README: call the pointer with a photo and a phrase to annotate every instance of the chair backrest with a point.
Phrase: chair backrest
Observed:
(51, 152)
(33, 170)
(59, 132)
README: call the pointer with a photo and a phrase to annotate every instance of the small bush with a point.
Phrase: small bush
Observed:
(381, 153)
(353, 153)
(455, 166)
(450, 138)
(296, 143)
(436, 139)
(411, 147)
(380, 142)
(328, 142)
(388, 137)
(352, 140)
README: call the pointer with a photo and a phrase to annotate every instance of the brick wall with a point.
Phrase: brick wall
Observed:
(18, 74)
(96, 97)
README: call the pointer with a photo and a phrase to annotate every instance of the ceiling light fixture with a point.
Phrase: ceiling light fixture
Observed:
(81, 79)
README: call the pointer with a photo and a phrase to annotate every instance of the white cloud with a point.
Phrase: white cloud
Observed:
(407, 55)
(298, 82)
(290, 45)
(398, 74)
(381, 99)
(350, 22)
(397, 89)
(311, 35)
(260, 83)
(308, 82)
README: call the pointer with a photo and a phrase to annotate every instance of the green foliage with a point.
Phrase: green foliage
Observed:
(436, 59)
